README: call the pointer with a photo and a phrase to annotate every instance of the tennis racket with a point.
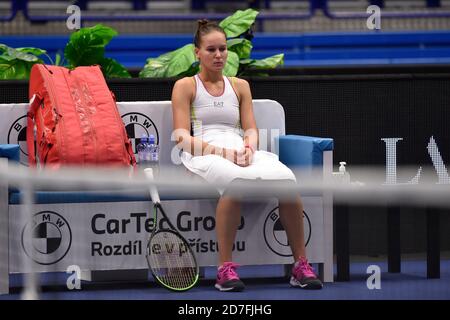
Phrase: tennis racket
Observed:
(169, 256)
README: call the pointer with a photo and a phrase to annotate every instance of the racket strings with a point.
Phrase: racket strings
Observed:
(171, 260)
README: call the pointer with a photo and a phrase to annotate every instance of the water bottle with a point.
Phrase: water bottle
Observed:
(142, 150)
(344, 172)
(153, 155)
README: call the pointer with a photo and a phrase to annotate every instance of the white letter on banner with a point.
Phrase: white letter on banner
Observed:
(374, 281)
(438, 163)
(391, 163)
(374, 21)
(74, 20)
(73, 281)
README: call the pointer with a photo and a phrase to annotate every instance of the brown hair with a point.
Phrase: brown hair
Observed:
(204, 27)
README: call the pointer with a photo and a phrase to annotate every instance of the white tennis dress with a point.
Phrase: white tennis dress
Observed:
(216, 120)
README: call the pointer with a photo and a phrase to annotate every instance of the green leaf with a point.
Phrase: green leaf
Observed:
(242, 47)
(87, 45)
(3, 48)
(246, 61)
(58, 59)
(113, 69)
(33, 51)
(14, 69)
(97, 32)
(17, 63)
(11, 54)
(193, 70)
(232, 66)
(267, 63)
(238, 23)
(171, 64)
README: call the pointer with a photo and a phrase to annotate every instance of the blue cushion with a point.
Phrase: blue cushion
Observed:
(302, 151)
(45, 197)
(10, 151)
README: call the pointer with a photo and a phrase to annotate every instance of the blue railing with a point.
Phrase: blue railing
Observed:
(314, 6)
(309, 49)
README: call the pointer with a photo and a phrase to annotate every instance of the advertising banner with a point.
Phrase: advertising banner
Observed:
(113, 236)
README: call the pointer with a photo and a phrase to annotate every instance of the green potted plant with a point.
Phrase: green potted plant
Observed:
(16, 63)
(86, 47)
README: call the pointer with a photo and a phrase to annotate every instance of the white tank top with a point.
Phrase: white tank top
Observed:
(212, 113)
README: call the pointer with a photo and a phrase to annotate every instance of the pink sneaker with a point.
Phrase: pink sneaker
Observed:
(303, 276)
(228, 279)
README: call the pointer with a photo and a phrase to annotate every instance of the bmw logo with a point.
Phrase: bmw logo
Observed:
(275, 235)
(137, 124)
(47, 238)
(17, 134)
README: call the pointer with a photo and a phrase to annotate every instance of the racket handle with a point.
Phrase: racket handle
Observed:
(153, 191)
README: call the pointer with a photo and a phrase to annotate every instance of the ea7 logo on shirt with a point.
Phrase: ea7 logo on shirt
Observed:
(218, 104)
(47, 238)
(138, 124)
(275, 235)
(17, 134)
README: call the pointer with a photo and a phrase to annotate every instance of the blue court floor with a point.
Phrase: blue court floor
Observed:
(262, 283)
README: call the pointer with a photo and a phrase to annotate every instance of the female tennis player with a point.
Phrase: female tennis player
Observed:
(216, 112)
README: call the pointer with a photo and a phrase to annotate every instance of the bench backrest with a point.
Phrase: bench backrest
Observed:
(269, 116)
(153, 117)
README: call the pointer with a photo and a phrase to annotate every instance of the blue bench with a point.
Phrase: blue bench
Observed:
(295, 151)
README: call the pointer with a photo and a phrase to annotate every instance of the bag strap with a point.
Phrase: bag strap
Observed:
(130, 151)
(35, 102)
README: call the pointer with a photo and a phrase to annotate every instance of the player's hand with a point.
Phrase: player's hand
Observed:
(244, 157)
(230, 154)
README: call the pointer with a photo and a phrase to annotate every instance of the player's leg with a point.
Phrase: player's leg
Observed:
(291, 216)
(228, 218)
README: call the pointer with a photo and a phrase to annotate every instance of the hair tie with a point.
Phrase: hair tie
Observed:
(202, 22)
